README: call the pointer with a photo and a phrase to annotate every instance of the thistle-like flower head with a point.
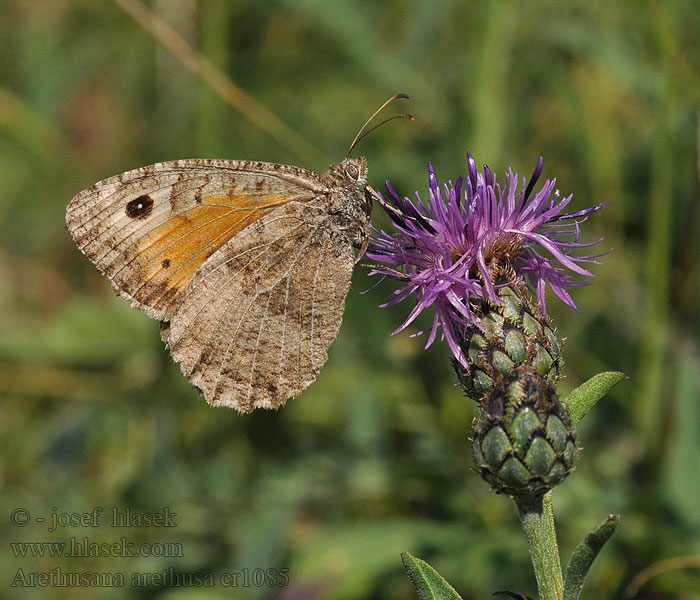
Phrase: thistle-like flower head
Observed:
(474, 236)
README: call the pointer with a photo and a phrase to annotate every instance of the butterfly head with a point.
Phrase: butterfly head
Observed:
(351, 174)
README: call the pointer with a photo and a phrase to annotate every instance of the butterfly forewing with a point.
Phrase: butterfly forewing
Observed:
(150, 229)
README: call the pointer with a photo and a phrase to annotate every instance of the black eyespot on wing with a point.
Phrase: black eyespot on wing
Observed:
(166, 263)
(139, 208)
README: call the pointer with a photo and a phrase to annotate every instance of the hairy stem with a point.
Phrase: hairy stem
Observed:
(537, 520)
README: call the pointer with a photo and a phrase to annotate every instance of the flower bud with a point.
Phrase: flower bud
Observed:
(523, 442)
(515, 332)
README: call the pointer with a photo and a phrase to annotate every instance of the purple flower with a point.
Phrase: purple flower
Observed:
(447, 250)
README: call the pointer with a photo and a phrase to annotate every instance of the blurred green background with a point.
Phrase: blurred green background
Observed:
(373, 458)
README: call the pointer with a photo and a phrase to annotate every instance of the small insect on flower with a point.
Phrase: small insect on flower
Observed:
(459, 248)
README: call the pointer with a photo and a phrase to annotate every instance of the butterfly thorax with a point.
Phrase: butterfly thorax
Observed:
(348, 205)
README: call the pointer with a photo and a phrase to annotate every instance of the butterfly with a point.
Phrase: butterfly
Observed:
(246, 264)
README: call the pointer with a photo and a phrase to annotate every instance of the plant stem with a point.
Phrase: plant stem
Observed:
(537, 520)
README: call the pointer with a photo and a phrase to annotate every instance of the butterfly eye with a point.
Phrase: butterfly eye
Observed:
(352, 172)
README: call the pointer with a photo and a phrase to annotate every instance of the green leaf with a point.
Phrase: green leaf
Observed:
(584, 555)
(582, 399)
(428, 582)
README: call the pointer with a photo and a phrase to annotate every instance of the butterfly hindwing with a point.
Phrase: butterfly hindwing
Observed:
(255, 325)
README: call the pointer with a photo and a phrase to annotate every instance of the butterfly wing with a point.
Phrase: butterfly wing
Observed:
(257, 320)
(150, 229)
(238, 260)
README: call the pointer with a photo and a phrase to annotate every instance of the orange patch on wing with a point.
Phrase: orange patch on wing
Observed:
(173, 252)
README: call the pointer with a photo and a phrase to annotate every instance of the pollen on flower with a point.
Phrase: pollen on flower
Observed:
(473, 237)
(502, 251)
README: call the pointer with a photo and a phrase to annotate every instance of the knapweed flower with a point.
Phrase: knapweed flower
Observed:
(452, 251)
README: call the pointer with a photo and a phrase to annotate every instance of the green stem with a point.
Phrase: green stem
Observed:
(537, 520)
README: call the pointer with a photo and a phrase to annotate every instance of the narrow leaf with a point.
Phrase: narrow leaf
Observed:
(428, 582)
(582, 399)
(584, 555)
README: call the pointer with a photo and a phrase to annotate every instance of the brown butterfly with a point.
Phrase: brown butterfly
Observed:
(246, 264)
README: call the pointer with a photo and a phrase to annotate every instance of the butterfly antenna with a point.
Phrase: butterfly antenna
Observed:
(360, 135)
(366, 133)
